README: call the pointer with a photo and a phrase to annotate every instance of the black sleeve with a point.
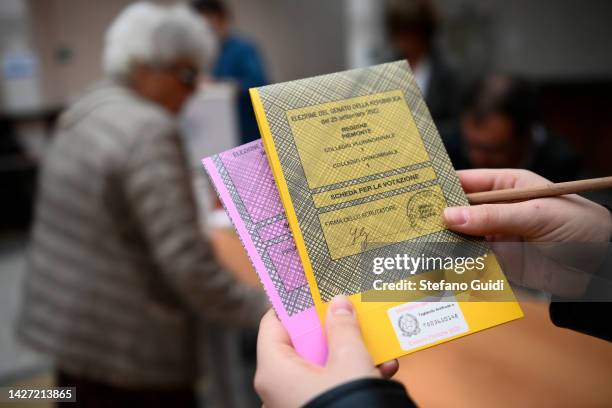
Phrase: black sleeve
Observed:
(592, 317)
(367, 392)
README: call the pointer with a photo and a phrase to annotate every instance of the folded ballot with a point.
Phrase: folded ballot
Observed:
(245, 185)
(363, 178)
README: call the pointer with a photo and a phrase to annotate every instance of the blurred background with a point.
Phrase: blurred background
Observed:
(509, 83)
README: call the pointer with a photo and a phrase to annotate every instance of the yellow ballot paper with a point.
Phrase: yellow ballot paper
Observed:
(364, 177)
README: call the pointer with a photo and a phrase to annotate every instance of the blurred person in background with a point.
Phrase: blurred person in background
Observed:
(118, 270)
(238, 61)
(412, 26)
(501, 128)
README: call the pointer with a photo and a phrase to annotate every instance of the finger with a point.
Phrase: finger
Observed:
(477, 180)
(272, 339)
(344, 335)
(493, 219)
(388, 369)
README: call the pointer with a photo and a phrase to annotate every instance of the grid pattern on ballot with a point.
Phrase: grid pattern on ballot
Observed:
(247, 177)
(347, 274)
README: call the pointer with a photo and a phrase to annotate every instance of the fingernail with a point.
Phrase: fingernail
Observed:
(455, 215)
(341, 306)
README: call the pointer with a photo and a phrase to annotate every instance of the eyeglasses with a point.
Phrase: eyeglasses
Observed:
(187, 76)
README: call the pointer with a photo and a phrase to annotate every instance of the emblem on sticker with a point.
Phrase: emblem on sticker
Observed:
(408, 324)
(418, 324)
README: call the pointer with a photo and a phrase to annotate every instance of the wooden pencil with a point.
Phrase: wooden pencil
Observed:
(545, 190)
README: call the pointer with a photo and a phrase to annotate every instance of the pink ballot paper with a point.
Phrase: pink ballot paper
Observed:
(245, 185)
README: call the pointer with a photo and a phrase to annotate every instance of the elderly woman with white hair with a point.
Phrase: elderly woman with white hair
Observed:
(118, 269)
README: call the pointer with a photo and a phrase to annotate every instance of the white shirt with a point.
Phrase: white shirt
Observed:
(422, 75)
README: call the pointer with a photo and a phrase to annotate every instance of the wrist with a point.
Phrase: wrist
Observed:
(370, 392)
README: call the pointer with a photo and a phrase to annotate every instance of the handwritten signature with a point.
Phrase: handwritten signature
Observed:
(357, 233)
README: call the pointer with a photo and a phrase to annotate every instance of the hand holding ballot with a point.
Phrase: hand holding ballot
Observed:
(555, 219)
(280, 368)
(554, 244)
(568, 218)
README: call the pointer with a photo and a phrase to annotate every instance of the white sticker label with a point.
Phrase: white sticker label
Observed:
(418, 324)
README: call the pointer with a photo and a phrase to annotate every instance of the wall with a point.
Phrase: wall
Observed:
(547, 39)
(298, 38)
(68, 35)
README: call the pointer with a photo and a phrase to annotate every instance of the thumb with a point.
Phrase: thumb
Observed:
(490, 219)
(344, 339)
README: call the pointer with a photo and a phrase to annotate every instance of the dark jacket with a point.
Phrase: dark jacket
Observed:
(443, 92)
(367, 392)
(239, 61)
